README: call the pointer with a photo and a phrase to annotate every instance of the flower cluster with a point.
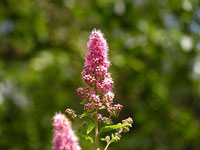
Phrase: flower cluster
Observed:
(107, 120)
(89, 106)
(96, 97)
(71, 113)
(125, 129)
(83, 93)
(108, 98)
(100, 118)
(115, 110)
(64, 138)
(95, 74)
(117, 135)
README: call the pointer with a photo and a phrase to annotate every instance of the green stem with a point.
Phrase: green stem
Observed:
(107, 145)
(96, 132)
(96, 125)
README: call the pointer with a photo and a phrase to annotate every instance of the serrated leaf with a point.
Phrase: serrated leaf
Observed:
(90, 127)
(112, 127)
(87, 113)
(85, 137)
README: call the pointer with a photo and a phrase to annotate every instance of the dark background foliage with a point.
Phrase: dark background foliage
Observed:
(155, 54)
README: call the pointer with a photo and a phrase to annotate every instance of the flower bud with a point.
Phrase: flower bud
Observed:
(115, 110)
(71, 113)
(106, 120)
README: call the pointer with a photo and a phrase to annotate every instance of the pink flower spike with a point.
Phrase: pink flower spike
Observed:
(95, 73)
(64, 137)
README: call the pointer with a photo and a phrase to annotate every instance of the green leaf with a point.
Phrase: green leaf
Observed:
(113, 138)
(103, 107)
(103, 139)
(90, 127)
(112, 127)
(84, 102)
(107, 139)
(87, 113)
(85, 137)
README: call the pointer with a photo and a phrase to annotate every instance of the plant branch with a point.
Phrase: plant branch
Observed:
(107, 145)
(96, 132)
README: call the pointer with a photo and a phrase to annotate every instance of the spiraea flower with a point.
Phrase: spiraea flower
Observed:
(99, 116)
(84, 93)
(96, 97)
(107, 120)
(115, 110)
(71, 113)
(64, 137)
(108, 98)
(95, 72)
(89, 106)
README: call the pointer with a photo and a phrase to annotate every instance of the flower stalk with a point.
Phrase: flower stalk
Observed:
(96, 131)
(98, 95)
(107, 145)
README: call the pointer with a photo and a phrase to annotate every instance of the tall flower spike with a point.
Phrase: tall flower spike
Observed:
(95, 72)
(64, 137)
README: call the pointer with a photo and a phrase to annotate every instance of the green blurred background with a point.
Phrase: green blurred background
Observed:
(155, 54)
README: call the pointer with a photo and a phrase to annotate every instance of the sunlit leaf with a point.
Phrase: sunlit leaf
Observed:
(85, 137)
(90, 127)
(112, 127)
(87, 113)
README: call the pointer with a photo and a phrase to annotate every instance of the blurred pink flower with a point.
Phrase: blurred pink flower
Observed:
(64, 137)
